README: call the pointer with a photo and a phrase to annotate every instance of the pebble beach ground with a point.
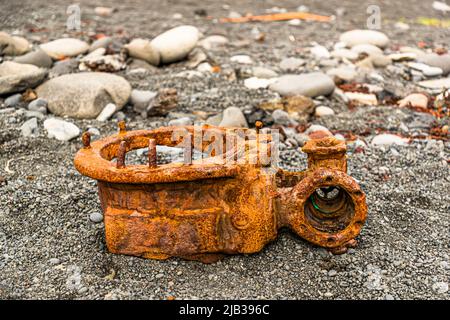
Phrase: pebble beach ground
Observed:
(52, 242)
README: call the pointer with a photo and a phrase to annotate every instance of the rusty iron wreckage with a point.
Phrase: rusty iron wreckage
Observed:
(202, 209)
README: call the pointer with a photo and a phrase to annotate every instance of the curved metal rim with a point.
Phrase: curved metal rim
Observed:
(94, 161)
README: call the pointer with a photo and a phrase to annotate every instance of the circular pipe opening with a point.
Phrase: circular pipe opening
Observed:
(329, 209)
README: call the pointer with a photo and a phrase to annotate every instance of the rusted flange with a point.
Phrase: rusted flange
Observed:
(94, 160)
(327, 228)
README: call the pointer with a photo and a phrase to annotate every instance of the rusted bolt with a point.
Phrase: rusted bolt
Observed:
(122, 127)
(258, 125)
(121, 153)
(187, 153)
(152, 153)
(86, 139)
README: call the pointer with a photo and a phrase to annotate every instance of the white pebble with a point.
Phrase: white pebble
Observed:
(107, 112)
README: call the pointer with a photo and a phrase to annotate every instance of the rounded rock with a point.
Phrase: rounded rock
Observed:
(13, 101)
(387, 139)
(291, 64)
(39, 105)
(263, 73)
(175, 44)
(214, 42)
(180, 122)
(233, 118)
(281, 117)
(66, 47)
(144, 50)
(16, 77)
(60, 129)
(438, 61)
(38, 58)
(140, 99)
(309, 84)
(93, 91)
(322, 111)
(359, 36)
(13, 45)
(369, 49)
(96, 217)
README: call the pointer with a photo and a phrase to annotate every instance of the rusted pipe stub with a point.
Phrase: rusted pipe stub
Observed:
(292, 207)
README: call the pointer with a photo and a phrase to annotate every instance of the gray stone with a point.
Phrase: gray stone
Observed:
(344, 54)
(195, 58)
(380, 60)
(54, 261)
(317, 127)
(344, 72)
(63, 67)
(291, 64)
(14, 100)
(282, 117)
(322, 111)
(426, 69)
(96, 217)
(355, 37)
(440, 287)
(308, 84)
(29, 127)
(39, 105)
(15, 77)
(140, 99)
(436, 84)
(65, 47)
(143, 49)
(387, 139)
(175, 44)
(7, 110)
(438, 61)
(263, 73)
(141, 65)
(84, 95)
(100, 43)
(94, 131)
(369, 49)
(12, 45)
(332, 273)
(258, 83)
(38, 58)
(107, 112)
(320, 52)
(301, 138)
(184, 121)
(215, 119)
(233, 117)
(214, 42)
(60, 129)
(33, 114)
(242, 59)
(119, 116)
(204, 67)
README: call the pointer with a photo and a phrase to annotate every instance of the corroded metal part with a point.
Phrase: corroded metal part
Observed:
(230, 202)
(86, 139)
(152, 157)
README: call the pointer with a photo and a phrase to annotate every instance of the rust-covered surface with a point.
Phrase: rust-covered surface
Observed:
(233, 201)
